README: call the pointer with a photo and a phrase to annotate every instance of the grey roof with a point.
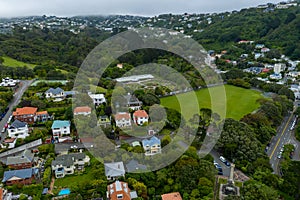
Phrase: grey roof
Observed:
(133, 194)
(55, 91)
(132, 99)
(133, 165)
(67, 159)
(63, 147)
(70, 93)
(25, 157)
(17, 124)
(22, 173)
(114, 169)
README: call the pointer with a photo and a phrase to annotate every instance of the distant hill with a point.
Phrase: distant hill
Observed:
(278, 28)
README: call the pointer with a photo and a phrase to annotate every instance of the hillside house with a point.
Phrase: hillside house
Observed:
(56, 94)
(140, 117)
(123, 119)
(60, 128)
(114, 170)
(66, 164)
(23, 161)
(152, 146)
(21, 176)
(120, 191)
(18, 129)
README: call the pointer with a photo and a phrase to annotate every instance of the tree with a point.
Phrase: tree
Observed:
(256, 190)
(165, 140)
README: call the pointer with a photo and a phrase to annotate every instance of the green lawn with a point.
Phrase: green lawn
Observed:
(238, 101)
(69, 180)
(10, 62)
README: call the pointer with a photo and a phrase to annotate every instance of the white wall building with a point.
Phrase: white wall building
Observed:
(97, 98)
(279, 67)
(18, 129)
(60, 128)
(123, 119)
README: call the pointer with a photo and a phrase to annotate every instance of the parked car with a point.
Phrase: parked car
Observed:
(227, 163)
(218, 166)
(222, 159)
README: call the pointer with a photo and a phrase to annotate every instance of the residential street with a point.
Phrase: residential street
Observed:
(17, 97)
(284, 136)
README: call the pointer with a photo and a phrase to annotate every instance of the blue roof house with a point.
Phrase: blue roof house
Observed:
(57, 94)
(22, 176)
(60, 128)
(152, 146)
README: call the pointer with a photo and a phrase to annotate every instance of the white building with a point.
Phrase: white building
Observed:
(97, 98)
(57, 93)
(66, 164)
(18, 129)
(279, 67)
(123, 119)
(60, 128)
(152, 146)
(8, 82)
(9, 143)
(140, 117)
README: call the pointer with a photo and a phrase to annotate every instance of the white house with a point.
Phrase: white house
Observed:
(18, 129)
(57, 94)
(97, 98)
(8, 82)
(123, 119)
(140, 117)
(152, 146)
(66, 164)
(9, 143)
(60, 128)
(294, 74)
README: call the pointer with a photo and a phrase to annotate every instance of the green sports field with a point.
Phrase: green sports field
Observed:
(235, 101)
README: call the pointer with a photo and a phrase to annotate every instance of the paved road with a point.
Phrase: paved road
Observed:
(226, 170)
(285, 135)
(17, 97)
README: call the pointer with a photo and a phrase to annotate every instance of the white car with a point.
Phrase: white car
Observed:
(222, 159)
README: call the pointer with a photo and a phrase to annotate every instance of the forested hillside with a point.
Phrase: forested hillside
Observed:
(279, 28)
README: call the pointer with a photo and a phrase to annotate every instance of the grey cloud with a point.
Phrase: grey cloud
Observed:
(135, 7)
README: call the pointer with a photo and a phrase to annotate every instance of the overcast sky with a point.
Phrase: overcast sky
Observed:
(12, 8)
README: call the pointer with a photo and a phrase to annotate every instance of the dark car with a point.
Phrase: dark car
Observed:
(227, 163)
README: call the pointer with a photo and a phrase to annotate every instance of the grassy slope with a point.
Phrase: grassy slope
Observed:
(10, 62)
(239, 101)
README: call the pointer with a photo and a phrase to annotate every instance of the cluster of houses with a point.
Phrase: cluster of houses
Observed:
(277, 69)
(8, 82)
(25, 167)
(120, 190)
